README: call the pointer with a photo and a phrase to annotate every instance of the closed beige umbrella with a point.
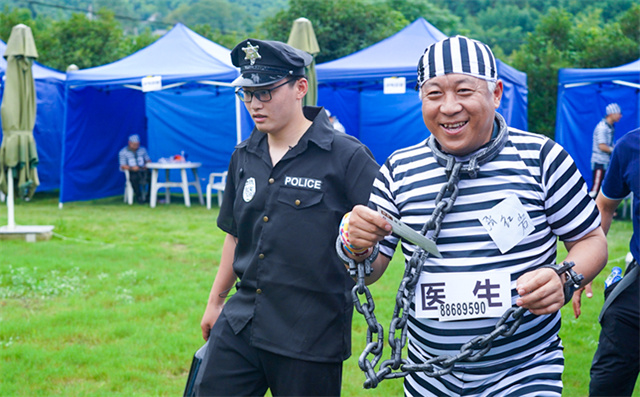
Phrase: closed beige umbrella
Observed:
(18, 156)
(303, 38)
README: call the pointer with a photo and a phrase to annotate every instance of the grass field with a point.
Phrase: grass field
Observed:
(111, 305)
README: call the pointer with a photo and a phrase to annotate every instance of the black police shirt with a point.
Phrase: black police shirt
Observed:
(293, 287)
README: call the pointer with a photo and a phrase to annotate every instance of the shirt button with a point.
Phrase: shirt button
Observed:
(271, 180)
(266, 219)
(297, 202)
(261, 256)
(258, 291)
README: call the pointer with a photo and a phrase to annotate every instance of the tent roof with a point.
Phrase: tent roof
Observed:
(40, 72)
(179, 55)
(398, 56)
(629, 72)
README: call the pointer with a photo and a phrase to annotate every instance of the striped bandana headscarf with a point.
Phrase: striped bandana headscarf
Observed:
(457, 54)
(613, 108)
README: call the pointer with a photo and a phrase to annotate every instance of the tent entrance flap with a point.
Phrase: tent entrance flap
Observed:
(181, 121)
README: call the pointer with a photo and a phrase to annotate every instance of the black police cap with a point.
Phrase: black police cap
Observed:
(264, 62)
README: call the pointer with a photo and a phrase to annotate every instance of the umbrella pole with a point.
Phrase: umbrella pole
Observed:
(11, 222)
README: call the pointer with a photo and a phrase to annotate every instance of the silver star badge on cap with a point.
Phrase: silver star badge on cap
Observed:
(251, 52)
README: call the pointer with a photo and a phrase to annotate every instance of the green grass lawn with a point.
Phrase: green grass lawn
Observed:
(111, 305)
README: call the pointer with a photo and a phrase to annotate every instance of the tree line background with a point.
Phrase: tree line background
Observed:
(537, 37)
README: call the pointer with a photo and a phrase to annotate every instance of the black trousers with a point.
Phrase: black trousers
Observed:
(140, 179)
(232, 367)
(616, 363)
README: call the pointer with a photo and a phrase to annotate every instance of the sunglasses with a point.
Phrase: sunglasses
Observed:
(263, 95)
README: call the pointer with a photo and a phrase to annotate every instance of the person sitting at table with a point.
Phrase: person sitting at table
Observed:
(134, 158)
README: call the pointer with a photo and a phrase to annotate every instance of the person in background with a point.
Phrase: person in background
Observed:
(334, 121)
(616, 363)
(287, 328)
(517, 193)
(603, 145)
(134, 158)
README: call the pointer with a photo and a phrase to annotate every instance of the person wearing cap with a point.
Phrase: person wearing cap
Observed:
(287, 327)
(134, 158)
(334, 121)
(603, 145)
(509, 195)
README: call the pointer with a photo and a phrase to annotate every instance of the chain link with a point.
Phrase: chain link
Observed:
(396, 366)
(404, 296)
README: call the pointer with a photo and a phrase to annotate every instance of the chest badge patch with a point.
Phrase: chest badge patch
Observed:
(249, 189)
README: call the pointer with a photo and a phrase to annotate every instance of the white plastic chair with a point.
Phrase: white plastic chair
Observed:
(217, 181)
(129, 193)
(128, 189)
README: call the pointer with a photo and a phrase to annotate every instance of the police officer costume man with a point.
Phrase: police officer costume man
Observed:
(287, 326)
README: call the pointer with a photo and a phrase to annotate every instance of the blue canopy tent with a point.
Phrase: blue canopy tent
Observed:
(583, 95)
(352, 88)
(49, 120)
(195, 112)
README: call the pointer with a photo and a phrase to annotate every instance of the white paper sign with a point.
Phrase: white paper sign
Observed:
(151, 83)
(459, 296)
(507, 223)
(395, 85)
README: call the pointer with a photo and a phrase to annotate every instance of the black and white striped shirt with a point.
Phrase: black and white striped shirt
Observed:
(603, 133)
(544, 178)
(132, 159)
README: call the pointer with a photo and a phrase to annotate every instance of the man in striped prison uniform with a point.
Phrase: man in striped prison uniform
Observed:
(524, 192)
(134, 158)
(603, 145)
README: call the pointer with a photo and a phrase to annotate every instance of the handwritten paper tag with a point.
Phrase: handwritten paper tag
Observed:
(507, 223)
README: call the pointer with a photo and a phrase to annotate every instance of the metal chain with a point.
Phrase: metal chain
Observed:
(404, 297)
(473, 350)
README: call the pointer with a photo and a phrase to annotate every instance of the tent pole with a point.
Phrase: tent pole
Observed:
(626, 83)
(11, 222)
(64, 143)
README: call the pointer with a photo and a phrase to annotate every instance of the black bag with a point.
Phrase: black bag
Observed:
(195, 373)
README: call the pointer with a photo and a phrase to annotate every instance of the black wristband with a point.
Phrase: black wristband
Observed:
(573, 279)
